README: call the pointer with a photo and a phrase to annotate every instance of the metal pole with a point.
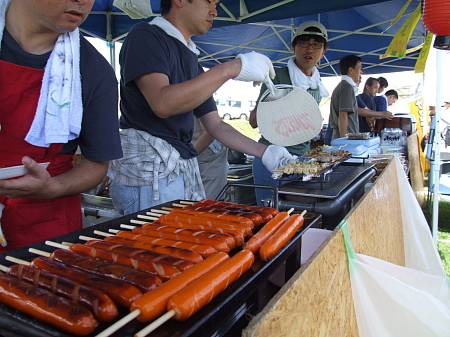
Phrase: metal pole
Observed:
(437, 147)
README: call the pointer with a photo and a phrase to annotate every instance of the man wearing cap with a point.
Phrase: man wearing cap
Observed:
(309, 45)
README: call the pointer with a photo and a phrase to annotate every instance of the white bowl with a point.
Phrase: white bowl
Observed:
(16, 171)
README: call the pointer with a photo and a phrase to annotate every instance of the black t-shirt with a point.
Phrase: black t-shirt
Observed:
(148, 49)
(368, 101)
(99, 137)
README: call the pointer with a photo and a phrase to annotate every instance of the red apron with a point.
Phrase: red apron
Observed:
(26, 221)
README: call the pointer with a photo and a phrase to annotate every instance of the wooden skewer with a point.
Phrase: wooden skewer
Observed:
(290, 211)
(126, 227)
(102, 233)
(3, 268)
(57, 245)
(87, 238)
(39, 252)
(119, 324)
(179, 205)
(303, 213)
(159, 211)
(167, 209)
(67, 243)
(147, 217)
(16, 260)
(187, 202)
(155, 324)
(153, 214)
(115, 230)
(138, 222)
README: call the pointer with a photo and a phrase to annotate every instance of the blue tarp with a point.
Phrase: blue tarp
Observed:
(354, 27)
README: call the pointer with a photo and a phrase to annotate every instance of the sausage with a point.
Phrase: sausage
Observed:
(141, 280)
(238, 236)
(122, 293)
(198, 294)
(220, 246)
(254, 217)
(256, 241)
(154, 303)
(203, 250)
(184, 254)
(96, 301)
(228, 239)
(45, 306)
(142, 254)
(215, 217)
(158, 271)
(281, 236)
(270, 210)
(266, 216)
(244, 229)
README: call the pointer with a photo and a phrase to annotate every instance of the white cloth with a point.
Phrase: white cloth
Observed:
(135, 9)
(256, 68)
(277, 156)
(173, 31)
(305, 82)
(351, 82)
(60, 109)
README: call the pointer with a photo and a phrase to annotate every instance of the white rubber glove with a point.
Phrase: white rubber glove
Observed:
(257, 68)
(277, 156)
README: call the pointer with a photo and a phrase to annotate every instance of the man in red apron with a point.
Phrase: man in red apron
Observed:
(45, 202)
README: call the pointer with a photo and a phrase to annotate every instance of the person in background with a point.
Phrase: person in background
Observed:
(383, 86)
(344, 109)
(163, 88)
(309, 45)
(43, 120)
(212, 161)
(389, 98)
(367, 97)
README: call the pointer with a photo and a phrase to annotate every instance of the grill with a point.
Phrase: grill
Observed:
(226, 315)
(331, 195)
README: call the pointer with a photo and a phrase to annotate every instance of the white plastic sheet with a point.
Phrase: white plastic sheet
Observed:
(396, 301)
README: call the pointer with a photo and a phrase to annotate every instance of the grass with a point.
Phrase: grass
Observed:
(444, 207)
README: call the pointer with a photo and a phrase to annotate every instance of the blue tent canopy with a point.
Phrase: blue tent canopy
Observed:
(354, 27)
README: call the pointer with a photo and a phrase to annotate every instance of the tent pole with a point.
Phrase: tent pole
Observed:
(437, 146)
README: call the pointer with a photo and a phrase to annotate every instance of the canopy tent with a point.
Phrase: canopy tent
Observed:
(354, 27)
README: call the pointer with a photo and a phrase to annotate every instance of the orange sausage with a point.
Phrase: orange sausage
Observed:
(158, 271)
(266, 216)
(96, 301)
(180, 253)
(281, 236)
(244, 229)
(45, 306)
(228, 239)
(194, 297)
(238, 236)
(215, 217)
(272, 211)
(256, 241)
(203, 250)
(154, 303)
(122, 293)
(254, 217)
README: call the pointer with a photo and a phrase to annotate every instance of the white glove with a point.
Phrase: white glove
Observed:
(277, 156)
(257, 68)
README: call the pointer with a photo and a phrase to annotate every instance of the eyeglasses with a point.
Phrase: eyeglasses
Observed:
(306, 44)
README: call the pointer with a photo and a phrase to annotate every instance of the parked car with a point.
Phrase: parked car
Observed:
(232, 109)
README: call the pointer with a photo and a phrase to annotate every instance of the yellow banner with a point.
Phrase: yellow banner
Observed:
(398, 45)
(420, 111)
(399, 15)
(423, 56)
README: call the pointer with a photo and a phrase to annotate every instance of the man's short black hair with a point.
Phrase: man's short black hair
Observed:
(166, 5)
(383, 82)
(305, 37)
(348, 61)
(391, 92)
(369, 81)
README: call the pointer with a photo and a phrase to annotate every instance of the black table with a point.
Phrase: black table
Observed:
(225, 315)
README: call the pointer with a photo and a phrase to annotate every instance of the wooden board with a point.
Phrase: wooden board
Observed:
(416, 172)
(317, 300)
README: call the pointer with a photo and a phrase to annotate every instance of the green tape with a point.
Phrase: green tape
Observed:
(348, 247)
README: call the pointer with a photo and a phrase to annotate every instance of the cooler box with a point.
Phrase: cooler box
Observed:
(369, 142)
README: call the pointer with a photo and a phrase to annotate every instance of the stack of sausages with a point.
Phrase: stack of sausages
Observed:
(179, 262)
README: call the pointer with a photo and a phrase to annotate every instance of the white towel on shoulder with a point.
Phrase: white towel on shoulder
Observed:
(60, 109)
(302, 81)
